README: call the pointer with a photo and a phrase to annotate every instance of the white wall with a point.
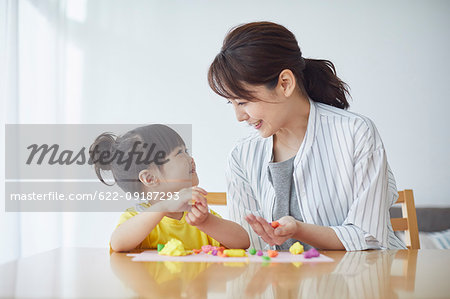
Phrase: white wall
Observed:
(146, 62)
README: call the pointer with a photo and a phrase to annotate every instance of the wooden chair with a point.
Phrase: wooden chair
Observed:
(217, 198)
(407, 223)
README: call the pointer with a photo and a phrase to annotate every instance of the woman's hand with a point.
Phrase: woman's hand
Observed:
(277, 236)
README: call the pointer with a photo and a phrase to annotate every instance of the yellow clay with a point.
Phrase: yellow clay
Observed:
(173, 248)
(296, 248)
(234, 252)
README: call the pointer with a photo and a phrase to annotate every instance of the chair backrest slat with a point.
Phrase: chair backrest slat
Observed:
(408, 223)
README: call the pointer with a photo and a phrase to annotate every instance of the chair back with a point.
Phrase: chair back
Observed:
(407, 223)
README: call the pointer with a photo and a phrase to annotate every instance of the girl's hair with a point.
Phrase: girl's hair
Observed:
(127, 155)
(256, 53)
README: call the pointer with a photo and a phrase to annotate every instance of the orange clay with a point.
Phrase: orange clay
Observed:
(275, 224)
(272, 253)
(196, 251)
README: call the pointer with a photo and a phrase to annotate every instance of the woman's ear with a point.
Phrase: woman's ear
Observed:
(149, 178)
(286, 82)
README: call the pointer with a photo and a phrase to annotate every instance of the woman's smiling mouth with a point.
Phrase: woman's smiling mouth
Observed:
(257, 124)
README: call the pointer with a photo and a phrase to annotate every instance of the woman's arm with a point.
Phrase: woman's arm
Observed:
(322, 237)
(318, 236)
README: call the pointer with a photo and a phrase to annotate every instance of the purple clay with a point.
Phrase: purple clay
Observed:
(311, 253)
(214, 252)
(260, 253)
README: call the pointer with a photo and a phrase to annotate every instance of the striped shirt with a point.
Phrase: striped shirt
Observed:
(341, 179)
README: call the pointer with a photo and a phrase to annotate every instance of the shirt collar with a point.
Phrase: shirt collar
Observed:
(307, 140)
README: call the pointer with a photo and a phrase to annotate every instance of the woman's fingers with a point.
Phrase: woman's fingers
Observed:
(266, 226)
(257, 227)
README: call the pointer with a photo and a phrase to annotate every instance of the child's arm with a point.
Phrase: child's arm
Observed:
(227, 233)
(132, 232)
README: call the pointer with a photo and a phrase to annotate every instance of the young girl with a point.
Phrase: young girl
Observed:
(153, 159)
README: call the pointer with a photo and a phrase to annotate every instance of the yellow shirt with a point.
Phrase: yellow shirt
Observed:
(169, 228)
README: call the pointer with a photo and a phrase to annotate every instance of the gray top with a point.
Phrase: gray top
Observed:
(286, 203)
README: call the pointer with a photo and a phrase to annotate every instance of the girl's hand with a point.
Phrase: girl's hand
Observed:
(199, 207)
(198, 214)
(271, 236)
(186, 198)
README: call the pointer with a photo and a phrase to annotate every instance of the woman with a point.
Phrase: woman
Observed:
(318, 169)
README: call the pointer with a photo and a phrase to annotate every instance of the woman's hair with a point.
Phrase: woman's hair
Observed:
(127, 155)
(256, 53)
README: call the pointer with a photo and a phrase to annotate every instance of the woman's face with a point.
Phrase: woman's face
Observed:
(179, 172)
(266, 114)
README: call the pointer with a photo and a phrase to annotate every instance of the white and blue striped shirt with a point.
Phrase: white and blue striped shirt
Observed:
(341, 176)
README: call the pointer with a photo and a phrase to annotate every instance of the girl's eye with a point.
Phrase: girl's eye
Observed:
(228, 102)
(183, 151)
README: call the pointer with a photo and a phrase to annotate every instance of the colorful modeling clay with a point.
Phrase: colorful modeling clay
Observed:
(206, 248)
(214, 252)
(196, 251)
(266, 258)
(173, 248)
(252, 251)
(296, 248)
(272, 253)
(160, 247)
(260, 253)
(234, 252)
(275, 224)
(311, 253)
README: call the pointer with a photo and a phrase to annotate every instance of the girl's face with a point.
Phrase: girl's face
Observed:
(179, 172)
(267, 114)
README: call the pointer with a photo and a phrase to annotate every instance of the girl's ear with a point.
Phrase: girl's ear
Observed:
(148, 178)
(286, 82)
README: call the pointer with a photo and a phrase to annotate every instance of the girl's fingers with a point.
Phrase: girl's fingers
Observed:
(188, 218)
(196, 212)
(200, 199)
(201, 190)
(202, 208)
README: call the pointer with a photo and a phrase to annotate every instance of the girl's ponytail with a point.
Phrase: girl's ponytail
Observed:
(101, 153)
